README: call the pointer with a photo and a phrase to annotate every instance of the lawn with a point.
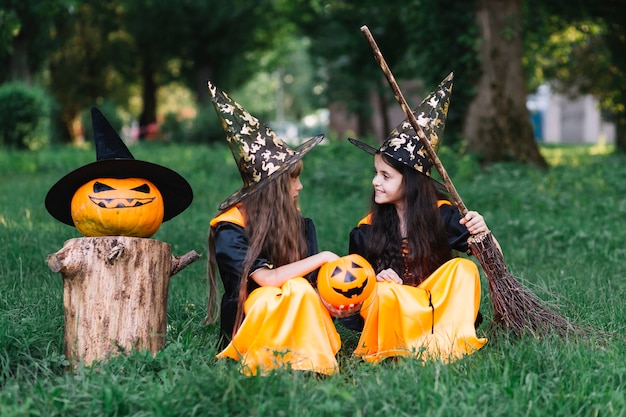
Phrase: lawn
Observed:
(561, 230)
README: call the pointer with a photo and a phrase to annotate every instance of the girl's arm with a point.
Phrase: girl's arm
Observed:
(276, 277)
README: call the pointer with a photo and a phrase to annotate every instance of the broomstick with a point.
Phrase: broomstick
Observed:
(515, 307)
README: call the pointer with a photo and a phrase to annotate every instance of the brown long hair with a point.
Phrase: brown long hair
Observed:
(275, 230)
(427, 245)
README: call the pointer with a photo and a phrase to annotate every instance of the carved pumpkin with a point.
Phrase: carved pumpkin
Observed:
(347, 280)
(117, 207)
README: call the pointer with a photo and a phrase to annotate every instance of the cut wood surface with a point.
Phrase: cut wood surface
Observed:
(115, 292)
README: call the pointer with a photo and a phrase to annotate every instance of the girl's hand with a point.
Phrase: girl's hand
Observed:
(328, 256)
(388, 275)
(474, 222)
(275, 277)
(343, 310)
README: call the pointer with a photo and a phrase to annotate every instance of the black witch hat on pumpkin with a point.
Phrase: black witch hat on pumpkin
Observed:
(114, 160)
(260, 154)
(404, 145)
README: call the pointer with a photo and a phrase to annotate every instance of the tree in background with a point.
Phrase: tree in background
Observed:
(482, 41)
(87, 52)
(347, 70)
(25, 27)
(286, 88)
(224, 41)
(87, 64)
(153, 28)
(497, 124)
(443, 36)
(110, 50)
(193, 41)
(581, 45)
(9, 25)
(425, 40)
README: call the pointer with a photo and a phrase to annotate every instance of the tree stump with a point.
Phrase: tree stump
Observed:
(115, 291)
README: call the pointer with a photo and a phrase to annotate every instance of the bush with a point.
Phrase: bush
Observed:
(205, 127)
(174, 129)
(24, 116)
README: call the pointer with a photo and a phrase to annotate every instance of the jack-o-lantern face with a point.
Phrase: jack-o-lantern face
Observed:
(117, 207)
(347, 280)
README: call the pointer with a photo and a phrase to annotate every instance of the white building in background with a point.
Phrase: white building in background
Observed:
(560, 119)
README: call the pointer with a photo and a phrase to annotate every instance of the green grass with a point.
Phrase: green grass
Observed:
(562, 233)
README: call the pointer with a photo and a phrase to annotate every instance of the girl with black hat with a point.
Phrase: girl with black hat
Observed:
(426, 301)
(266, 252)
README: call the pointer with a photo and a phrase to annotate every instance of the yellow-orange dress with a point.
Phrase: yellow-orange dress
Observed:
(286, 327)
(434, 320)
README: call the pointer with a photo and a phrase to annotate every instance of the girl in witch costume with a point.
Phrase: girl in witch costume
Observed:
(266, 252)
(426, 301)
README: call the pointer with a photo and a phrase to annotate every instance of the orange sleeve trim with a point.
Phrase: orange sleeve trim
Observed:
(232, 215)
(366, 220)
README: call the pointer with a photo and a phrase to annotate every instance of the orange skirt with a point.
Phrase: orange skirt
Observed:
(434, 320)
(286, 327)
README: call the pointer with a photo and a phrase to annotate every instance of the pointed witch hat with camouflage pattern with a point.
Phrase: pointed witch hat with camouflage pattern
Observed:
(260, 154)
(404, 145)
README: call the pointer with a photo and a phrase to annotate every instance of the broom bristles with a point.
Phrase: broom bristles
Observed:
(524, 312)
(515, 306)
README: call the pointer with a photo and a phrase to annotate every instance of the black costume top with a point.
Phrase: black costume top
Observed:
(231, 247)
(450, 216)
(360, 235)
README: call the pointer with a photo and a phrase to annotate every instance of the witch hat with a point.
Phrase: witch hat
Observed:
(261, 156)
(114, 160)
(404, 145)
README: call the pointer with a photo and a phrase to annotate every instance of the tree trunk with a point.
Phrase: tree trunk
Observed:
(497, 124)
(148, 120)
(384, 114)
(364, 120)
(115, 292)
(620, 135)
(203, 73)
(19, 67)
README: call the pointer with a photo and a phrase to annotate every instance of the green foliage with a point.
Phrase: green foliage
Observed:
(284, 87)
(557, 51)
(115, 50)
(347, 71)
(215, 47)
(24, 116)
(89, 62)
(444, 38)
(579, 49)
(25, 40)
(9, 24)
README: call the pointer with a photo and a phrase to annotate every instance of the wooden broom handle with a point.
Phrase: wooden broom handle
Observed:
(411, 117)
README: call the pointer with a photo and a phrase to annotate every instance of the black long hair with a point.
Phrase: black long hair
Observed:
(426, 245)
